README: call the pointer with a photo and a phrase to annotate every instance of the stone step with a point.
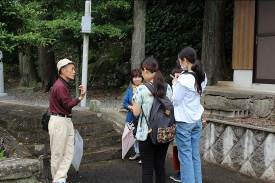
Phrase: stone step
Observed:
(91, 123)
(104, 140)
(101, 154)
(94, 130)
(40, 136)
(30, 137)
(85, 118)
(37, 150)
(90, 144)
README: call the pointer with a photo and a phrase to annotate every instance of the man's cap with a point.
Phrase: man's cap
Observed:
(63, 63)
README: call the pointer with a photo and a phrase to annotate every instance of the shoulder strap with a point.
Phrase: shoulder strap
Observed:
(152, 89)
(144, 116)
(192, 73)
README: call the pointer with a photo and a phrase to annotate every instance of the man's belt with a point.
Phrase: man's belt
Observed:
(62, 115)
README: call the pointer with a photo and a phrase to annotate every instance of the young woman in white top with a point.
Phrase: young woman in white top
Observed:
(187, 91)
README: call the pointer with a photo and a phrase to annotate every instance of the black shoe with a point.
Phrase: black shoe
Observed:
(176, 178)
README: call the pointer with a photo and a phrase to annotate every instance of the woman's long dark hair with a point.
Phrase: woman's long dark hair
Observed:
(151, 64)
(190, 54)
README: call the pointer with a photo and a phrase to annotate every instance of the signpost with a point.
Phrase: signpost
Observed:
(85, 29)
(1, 76)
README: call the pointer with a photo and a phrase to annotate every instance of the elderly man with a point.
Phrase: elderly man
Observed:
(61, 128)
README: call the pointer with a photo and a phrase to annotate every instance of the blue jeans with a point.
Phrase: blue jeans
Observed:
(188, 143)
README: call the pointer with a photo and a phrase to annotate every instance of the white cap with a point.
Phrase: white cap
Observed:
(62, 63)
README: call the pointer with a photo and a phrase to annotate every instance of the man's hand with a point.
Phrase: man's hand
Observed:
(82, 89)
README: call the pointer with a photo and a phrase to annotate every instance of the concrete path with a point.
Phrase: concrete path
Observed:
(124, 171)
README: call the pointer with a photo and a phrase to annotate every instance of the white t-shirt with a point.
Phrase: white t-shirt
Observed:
(186, 99)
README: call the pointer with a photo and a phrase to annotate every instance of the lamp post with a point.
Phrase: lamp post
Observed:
(1, 76)
(85, 29)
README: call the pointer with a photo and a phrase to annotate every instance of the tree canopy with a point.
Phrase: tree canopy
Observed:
(56, 25)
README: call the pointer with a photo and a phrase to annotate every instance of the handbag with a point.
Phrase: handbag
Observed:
(167, 134)
(45, 120)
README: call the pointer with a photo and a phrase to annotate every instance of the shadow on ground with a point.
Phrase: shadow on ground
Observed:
(124, 171)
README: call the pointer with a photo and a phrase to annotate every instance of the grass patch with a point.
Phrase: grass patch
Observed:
(2, 154)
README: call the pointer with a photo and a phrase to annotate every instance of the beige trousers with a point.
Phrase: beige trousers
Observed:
(61, 133)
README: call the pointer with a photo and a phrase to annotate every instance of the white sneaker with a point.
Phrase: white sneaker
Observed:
(60, 181)
(136, 156)
(139, 162)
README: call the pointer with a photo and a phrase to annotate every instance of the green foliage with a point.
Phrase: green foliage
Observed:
(19, 25)
(47, 22)
(108, 30)
(66, 24)
(2, 155)
(110, 10)
(2, 150)
(172, 25)
(111, 19)
(5, 39)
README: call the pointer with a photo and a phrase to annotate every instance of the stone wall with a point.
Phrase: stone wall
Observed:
(224, 104)
(16, 170)
(246, 149)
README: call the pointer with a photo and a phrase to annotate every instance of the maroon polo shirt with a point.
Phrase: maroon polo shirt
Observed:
(61, 101)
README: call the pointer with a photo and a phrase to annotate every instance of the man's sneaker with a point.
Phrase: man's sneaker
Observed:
(60, 181)
(136, 156)
(140, 162)
(176, 178)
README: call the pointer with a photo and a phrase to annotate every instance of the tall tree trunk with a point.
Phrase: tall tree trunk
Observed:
(27, 67)
(138, 38)
(46, 67)
(213, 52)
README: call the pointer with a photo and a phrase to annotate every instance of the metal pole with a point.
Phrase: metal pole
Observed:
(85, 52)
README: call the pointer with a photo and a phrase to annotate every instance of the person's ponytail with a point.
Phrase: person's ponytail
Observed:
(159, 85)
(200, 75)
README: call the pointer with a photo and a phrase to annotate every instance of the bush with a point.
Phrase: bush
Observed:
(2, 151)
